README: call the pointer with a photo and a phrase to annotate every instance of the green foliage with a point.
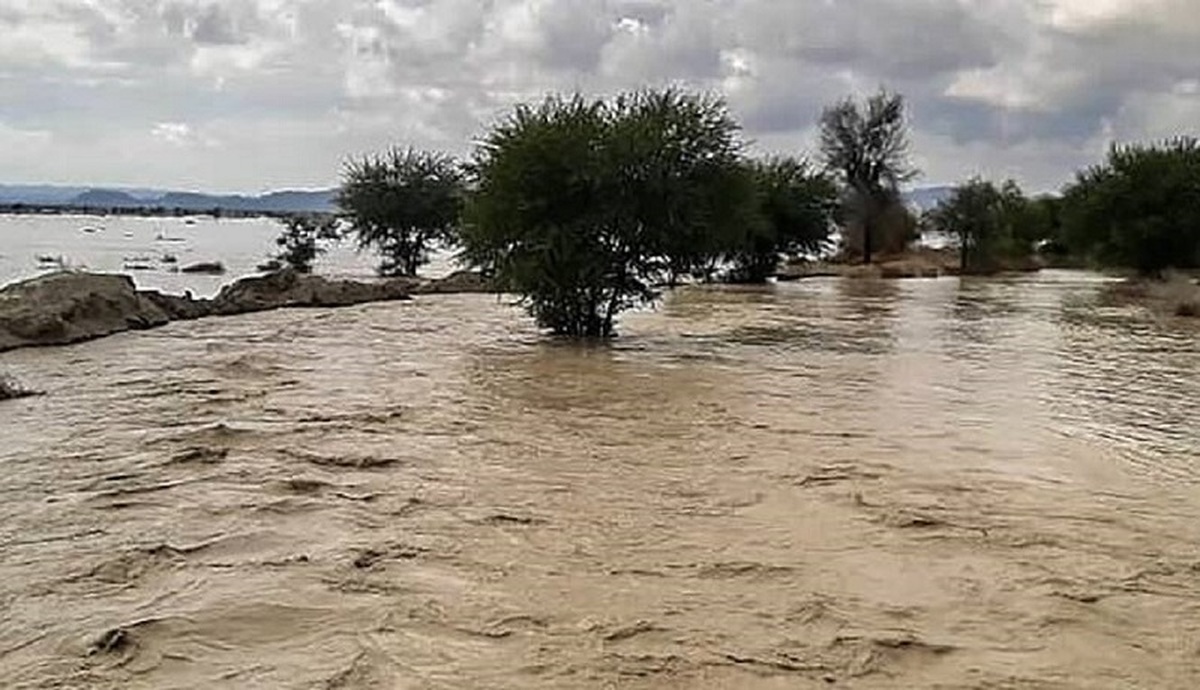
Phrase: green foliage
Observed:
(1043, 226)
(584, 206)
(676, 156)
(402, 203)
(993, 224)
(866, 147)
(1140, 209)
(796, 206)
(299, 241)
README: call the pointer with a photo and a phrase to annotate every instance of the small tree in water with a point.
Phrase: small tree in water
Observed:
(992, 224)
(866, 147)
(300, 240)
(402, 203)
(583, 207)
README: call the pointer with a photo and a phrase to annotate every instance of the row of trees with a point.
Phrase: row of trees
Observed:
(586, 207)
(1140, 210)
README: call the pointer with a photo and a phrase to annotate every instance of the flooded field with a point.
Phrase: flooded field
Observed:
(153, 250)
(934, 484)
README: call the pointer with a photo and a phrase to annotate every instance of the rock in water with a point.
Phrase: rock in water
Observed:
(66, 307)
(11, 390)
(288, 288)
(214, 268)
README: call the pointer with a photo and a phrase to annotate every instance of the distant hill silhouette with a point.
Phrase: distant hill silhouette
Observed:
(319, 201)
(104, 197)
(284, 201)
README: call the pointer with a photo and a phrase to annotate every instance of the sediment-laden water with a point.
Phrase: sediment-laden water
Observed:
(945, 484)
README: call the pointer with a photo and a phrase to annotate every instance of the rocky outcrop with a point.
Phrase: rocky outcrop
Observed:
(287, 288)
(68, 307)
(456, 283)
(65, 307)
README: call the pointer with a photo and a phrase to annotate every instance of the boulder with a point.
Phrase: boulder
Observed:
(11, 390)
(68, 307)
(180, 307)
(288, 288)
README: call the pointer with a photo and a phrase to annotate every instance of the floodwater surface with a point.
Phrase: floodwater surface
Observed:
(935, 484)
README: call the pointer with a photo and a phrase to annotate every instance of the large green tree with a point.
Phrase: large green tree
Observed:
(402, 203)
(1140, 209)
(584, 206)
(796, 208)
(866, 148)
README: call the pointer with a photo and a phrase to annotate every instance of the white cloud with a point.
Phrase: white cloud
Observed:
(174, 133)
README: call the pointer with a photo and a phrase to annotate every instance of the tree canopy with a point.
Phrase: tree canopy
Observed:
(402, 203)
(993, 224)
(796, 209)
(1140, 209)
(585, 206)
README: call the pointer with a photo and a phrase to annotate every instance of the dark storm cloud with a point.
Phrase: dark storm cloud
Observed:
(253, 93)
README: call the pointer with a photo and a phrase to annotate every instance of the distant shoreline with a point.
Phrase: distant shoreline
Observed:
(23, 209)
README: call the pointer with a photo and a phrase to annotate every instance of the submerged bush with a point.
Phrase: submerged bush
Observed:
(302, 238)
(584, 206)
(991, 223)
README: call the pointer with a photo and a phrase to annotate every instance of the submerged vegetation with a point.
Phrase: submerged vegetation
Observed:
(992, 225)
(588, 207)
(303, 240)
(584, 207)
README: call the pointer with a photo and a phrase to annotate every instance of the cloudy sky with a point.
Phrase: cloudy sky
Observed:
(247, 95)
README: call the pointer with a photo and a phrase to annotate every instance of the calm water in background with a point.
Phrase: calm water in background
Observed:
(240, 244)
(929, 483)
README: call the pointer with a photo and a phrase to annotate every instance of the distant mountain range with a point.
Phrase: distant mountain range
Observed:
(315, 201)
(287, 201)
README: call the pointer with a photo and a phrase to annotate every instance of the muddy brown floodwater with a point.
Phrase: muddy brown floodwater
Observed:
(926, 484)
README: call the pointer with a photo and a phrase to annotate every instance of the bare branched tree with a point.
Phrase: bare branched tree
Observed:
(866, 148)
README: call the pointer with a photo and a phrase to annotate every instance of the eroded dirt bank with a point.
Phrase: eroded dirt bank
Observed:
(70, 307)
(990, 484)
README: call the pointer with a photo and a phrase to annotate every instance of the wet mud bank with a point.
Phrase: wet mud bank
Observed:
(69, 307)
